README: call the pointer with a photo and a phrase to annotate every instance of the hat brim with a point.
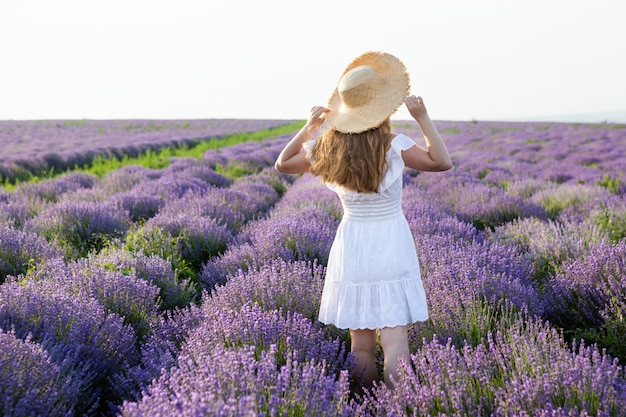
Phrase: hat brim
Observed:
(389, 96)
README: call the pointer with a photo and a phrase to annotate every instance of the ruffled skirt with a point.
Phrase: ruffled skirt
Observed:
(373, 276)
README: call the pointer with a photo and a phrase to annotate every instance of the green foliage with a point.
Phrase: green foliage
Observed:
(236, 170)
(612, 222)
(611, 184)
(610, 336)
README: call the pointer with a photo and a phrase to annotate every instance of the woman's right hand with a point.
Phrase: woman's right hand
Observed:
(317, 117)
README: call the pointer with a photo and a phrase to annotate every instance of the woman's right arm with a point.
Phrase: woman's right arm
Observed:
(435, 156)
(291, 160)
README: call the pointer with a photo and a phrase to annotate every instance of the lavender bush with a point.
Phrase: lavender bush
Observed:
(568, 196)
(81, 227)
(289, 235)
(30, 382)
(140, 206)
(186, 241)
(85, 341)
(275, 285)
(21, 251)
(610, 217)
(265, 329)
(51, 190)
(159, 352)
(477, 203)
(589, 297)
(527, 370)
(548, 244)
(173, 291)
(126, 295)
(225, 382)
(126, 178)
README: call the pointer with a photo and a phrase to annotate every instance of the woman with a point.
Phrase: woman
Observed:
(373, 279)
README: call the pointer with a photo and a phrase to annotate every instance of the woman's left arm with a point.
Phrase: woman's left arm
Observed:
(291, 160)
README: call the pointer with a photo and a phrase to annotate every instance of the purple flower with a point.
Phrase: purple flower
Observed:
(30, 382)
(80, 227)
(187, 241)
(473, 201)
(140, 207)
(290, 235)
(77, 332)
(589, 292)
(526, 369)
(548, 244)
(173, 291)
(258, 326)
(130, 297)
(275, 285)
(20, 251)
(51, 190)
(235, 381)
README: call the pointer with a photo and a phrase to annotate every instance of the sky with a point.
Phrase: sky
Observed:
(275, 59)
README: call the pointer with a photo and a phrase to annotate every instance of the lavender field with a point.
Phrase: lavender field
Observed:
(184, 292)
(33, 147)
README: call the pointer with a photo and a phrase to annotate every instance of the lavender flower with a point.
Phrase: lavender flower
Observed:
(173, 292)
(216, 204)
(192, 168)
(235, 382)
(80, 227)
(527, 370)
(469, 283)
(140, 207)
(290, 235)
(51, 190)
(548, 244)
(133, 299)
(30, 383)
(299, 197)
(590, 293)
(483, 206)
(250, 324)
(159, 353)
(276, 285)
(170, 185)
(305, 234)
(20, 251)
(186, 241)
(125, 178)
(79, 335)
(565, 196)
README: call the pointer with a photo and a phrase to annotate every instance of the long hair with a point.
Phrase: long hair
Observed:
(353, 160)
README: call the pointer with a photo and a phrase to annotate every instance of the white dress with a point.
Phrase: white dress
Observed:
(373, 275)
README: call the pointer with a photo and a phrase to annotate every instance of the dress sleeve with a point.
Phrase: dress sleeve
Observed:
(395, 163)
(402, 143)
(308, 147)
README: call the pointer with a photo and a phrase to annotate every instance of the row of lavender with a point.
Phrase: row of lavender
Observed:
(181, 292)
(40, 146)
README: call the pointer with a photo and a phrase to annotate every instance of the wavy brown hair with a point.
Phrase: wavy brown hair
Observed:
(353, 160)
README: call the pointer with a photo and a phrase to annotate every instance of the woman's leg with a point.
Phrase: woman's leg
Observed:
(395, 343)
(363, 347)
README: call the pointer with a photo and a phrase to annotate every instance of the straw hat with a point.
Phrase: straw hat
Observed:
(370, 90)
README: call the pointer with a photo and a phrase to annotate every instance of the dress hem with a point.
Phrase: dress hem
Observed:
(366, 327)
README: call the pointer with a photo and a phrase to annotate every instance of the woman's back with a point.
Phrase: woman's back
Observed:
(387, 201)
